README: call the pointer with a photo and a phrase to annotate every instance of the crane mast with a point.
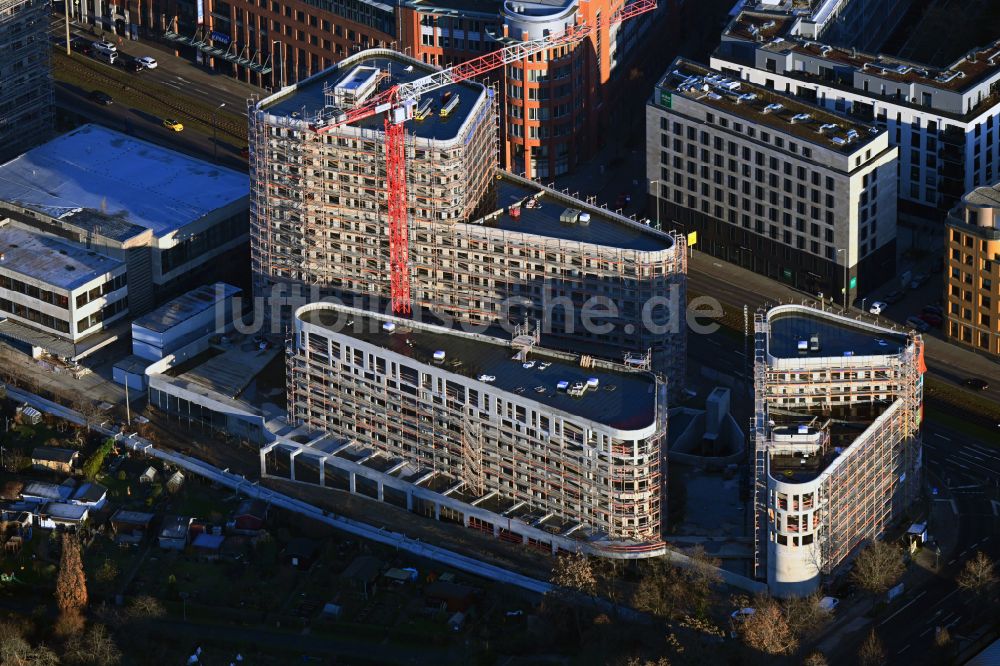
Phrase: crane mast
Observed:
(398, 102)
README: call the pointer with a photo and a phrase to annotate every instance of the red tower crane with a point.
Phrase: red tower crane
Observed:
(398, 102)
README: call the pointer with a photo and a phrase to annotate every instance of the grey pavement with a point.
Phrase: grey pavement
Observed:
(179, 73)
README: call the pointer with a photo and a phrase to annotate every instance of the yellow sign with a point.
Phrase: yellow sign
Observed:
(692, 238)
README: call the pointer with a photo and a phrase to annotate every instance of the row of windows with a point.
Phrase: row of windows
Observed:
(30, 290)
(31, 314)
(100, 291)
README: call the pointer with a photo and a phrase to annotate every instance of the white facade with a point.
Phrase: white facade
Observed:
(796, 189)
(837, 442)
(57, 287)
(946, 123)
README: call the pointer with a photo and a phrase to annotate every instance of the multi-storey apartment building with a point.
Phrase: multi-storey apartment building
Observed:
(577, 445)
(945, 121)
(972, 281)
(837, 443)
(26, 102)
(783, 188)
(485, 247)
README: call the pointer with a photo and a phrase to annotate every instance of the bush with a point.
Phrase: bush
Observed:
(93, 465)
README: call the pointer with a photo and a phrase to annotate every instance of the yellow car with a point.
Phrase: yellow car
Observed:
(171, 124)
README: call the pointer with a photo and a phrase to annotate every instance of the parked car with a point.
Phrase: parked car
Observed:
(894, 297)
(147, 61)
(129, 63)
(878, 307)
(931, 319)
(934, 310)
(173, 125)
(100, 97)
(977, 384)
(918, 323)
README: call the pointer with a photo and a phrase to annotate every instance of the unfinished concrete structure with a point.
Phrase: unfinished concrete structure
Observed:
(26, 98)
(838, 405)
(560, 442)
(485, 247)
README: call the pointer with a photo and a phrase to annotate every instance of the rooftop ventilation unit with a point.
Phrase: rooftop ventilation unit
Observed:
(801, 118)
(746, 97)
(839, 141)
(439, 356)
(773, 108)
(828, 127)
(357, 86)
(388, 327)
(569, 216)
(852, 135)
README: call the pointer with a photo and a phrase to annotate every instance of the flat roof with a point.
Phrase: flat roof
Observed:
(624, 400)
(51, 260)
(836, 337)
(480, 8)
(772, 31)
(764, 106)
(54, 454)
(46, 490)
(97, 177)
(542, 219)
(307, 98)
(64, 511)
(185, 307)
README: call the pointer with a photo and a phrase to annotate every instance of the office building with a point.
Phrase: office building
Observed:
(780, 187)
(86, 243)
(945, 121)
(485, 247)
(27, 106)
(836, 435)
(551, 439)
(972, 271)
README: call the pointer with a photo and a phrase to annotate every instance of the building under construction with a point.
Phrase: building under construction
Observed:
(26, 102)
(515, 439)
(837, 440)
(484, 247)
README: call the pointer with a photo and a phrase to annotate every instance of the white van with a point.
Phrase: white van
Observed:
(106, 57)
(104, 47)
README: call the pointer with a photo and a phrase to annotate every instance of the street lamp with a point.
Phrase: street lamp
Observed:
(215, 143)
(66, 9)
(657, 197)
(844, 250)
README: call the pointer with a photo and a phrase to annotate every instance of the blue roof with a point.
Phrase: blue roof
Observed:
(184, 307)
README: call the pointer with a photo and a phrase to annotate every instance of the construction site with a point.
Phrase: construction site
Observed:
(506, 436)
(838, 405)
(438, 231)
(26, 97)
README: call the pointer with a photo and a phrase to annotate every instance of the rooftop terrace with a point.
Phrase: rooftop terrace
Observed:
(51, 260)
(792, 333)
(772, 31)
(541, 217)
(308, 98)
(624, 400)
(117, 185)
(765, 107)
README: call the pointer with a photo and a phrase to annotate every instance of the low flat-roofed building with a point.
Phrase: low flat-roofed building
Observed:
(202, 311)
(837, 441)
(174, 221)
(55, 459)
(59, 514)
(175, 532)
(130, 526)
(542, 429)
(58, 287)
(90, 494)
(39, 492)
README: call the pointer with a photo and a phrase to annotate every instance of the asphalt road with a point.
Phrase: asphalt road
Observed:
(965, 474)
(145, 126)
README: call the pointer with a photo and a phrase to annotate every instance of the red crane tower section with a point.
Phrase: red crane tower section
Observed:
(398, 102)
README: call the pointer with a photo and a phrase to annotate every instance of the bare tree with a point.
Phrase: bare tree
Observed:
(96, 647)
(942, 637)
(815, 659)
(700, 577)
(767, 630)
(978, 577)
(878, 567)
(805, 615)
(871, 652)
(145, 606)
(16, 651)
(574, 572)
(71, 587)
(649, 595)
